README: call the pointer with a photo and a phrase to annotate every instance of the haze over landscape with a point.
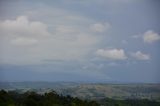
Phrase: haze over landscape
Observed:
(80, 40)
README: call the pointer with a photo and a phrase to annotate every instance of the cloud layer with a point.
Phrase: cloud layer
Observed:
(23, 32)
(31, 41)
(151, 36)
(99, 27)
(86, 39)
(113, 54)
(140, 56)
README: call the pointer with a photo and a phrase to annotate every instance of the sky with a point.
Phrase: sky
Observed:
(80, 40)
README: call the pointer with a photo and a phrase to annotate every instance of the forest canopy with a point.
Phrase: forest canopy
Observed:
(30, 98)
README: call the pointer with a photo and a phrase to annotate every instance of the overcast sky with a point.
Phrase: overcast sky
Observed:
(80, 40)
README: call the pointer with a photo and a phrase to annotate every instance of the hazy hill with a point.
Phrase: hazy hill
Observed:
(116, 91)
(89, 90)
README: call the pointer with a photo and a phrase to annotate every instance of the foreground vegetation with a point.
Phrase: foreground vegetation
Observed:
(33, 99)
(129, 102)
(13, 98)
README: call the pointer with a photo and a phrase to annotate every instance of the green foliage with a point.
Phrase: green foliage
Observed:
(31, 98)
(129, 102)
(34, 99)
(5, 99)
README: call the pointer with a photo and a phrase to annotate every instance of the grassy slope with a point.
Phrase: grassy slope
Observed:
(120, 91)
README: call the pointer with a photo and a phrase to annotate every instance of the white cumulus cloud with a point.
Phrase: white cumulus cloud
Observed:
(113, 54)
(140, 56)
(22, 31)
(151, 36)
(26, 41)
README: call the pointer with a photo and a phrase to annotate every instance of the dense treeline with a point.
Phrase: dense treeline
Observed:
(129, 102)
(12, 98)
